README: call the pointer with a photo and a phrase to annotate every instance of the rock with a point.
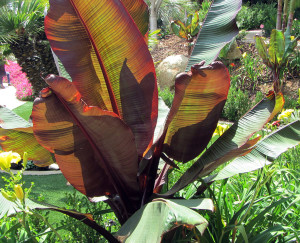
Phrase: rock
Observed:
(234, 52)
(53, 167)
(169, 68)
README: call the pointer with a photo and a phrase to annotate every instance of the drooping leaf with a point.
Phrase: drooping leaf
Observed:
(201, 203)
(16, 135)
(277, 46)
(198, 102)
(8, 208)
(95, 149)
(156, 218)
(232, 139)
(265, 152)
(218, 29)
(107, 58)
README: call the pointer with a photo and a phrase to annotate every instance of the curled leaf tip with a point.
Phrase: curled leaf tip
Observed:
(45, 92)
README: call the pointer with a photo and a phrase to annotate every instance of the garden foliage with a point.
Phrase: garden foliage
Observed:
(100, 127)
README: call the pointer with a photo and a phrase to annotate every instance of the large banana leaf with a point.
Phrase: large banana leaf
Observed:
(16, 135)
(153, 220)
(234, 138)
(94, 148)
(218, 29)
(108, 60)
(138, 10)
(199, 98)
(265, 152)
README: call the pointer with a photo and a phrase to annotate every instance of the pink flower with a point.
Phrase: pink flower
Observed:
(276, 123)
(19, 80)
(261, 26)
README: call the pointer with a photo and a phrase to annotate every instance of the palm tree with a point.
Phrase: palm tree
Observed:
(21, 26)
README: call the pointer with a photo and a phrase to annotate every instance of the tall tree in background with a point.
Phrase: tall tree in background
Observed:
(22, 28)
(154, 7)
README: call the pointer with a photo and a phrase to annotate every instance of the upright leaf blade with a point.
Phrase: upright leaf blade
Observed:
(199, 99)
(138, 10)
(277, 46)
(262, 50)
(94, 41)
(218, 29)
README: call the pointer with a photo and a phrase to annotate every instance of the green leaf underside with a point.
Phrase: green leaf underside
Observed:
(218, 29)
(198, 102)
(157, 218)
(94, 148)
(110, 73)
(265, 152)
(235, 137)
(16, 135)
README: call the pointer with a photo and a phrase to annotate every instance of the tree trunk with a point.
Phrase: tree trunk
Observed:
(155, 5)
(36, 60)
(279, 13)
(285, 9)
(291, 14)
(153, 18)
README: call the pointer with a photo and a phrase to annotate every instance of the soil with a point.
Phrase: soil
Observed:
(173, 45)
(170, 45)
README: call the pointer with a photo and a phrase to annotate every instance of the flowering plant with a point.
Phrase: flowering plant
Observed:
(19, 80)
(285, 114)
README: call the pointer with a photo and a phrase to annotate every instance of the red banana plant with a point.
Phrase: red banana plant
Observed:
(100, 125)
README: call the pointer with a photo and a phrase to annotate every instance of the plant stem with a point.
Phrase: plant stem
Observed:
(47, 223)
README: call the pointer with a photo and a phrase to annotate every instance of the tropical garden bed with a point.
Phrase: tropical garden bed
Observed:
(194, 195)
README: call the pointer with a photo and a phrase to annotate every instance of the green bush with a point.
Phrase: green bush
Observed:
(237, 104)
(167, 96)
(252, 17)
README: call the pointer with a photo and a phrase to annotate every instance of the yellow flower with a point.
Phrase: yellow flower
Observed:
(292, 37)
(220, 129)
(9, 196)
(285, 114)
(25, 159)
(6, 158)
(244, 54)
(19, 192)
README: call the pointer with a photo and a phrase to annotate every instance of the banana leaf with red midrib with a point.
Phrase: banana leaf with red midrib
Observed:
(200, 96)
(95, 149)
(94, 51)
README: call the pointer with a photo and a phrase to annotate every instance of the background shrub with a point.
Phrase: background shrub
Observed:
(251, 17)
